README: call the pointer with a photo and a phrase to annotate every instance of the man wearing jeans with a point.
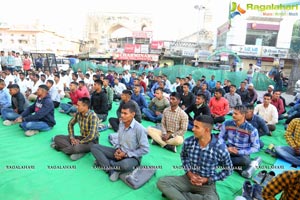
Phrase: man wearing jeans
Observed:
(241, 138)
(77, 146)
(132, 145)
(18, 102)
(40, 115)
(201, 156)
(291, 153)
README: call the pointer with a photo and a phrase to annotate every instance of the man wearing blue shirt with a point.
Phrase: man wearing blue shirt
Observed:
(201, 156)
(132, 145)
(257, 122)
(5, 99)
(138, 97)
(240, 137)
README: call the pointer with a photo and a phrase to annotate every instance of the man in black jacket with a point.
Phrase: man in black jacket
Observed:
(199, 108)
(99, 101)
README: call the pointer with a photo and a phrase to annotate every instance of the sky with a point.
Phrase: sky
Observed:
(171, 19)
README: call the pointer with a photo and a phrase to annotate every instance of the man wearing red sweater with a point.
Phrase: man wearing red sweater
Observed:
(278, 103)
(219, 107)
(75, 95)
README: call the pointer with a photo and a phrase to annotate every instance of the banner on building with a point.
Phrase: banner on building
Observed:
(157, 44)
(133, 56)
(142, 34)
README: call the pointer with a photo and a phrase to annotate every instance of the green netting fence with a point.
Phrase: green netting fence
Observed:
(260, 80)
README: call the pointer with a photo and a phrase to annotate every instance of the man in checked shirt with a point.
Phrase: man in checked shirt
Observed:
(240, 137)
(288, 183)
(78, 146)
(201, 156)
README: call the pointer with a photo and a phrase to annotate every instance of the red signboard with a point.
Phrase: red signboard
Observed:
(132, 48)
(142, 34)
(157, 44)
(133, 56)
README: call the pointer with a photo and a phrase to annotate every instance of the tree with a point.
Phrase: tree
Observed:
(295, 54)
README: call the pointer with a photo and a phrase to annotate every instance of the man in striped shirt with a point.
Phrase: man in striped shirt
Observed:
(240, 137)
(78, 146)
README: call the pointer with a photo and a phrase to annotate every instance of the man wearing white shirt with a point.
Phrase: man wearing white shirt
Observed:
(53, 92)
(127, 65)
(18, 61)
(268, 112)
(118, 88)
(23, 83)
(58, 84)
(9, 79)
(33, 87)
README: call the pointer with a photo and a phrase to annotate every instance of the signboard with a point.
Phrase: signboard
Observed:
(133, 56)
(247, 50)
(157, 44)
(273, 51)
(142, 34)
(144, 48)
(132, 48)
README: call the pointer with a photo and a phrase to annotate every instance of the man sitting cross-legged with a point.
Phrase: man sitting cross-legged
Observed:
(40, 115)
(18, 102)
(174, 125)
(77, 146)
(240, 137)
(201, 156)
(132, 145)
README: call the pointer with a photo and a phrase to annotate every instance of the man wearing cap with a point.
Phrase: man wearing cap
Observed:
(174, 124)
(18, 103)
(40, 115)
(269, 90)
(125, 97)
(252, 94)
(201, 156)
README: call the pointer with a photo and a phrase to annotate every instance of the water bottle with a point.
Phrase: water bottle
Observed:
(247, 173)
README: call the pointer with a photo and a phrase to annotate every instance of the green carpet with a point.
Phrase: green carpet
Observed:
(43, 182)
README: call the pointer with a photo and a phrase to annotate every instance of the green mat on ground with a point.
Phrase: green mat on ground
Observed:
(43, 181)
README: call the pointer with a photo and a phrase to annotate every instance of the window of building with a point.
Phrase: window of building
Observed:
(0, 40)
(12, 35)
(261, 37)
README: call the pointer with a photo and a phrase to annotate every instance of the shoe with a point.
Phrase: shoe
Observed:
(53, 145)
(257, 192)
(61, 111)
(268, 178)
(8, 123)
(76, 156)
(260, 177)
(114, 176)
(102, 127)
(31, 132)
(109, 126)
(171, 148)
(247, 190)
(271, 150)
(154, 142)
